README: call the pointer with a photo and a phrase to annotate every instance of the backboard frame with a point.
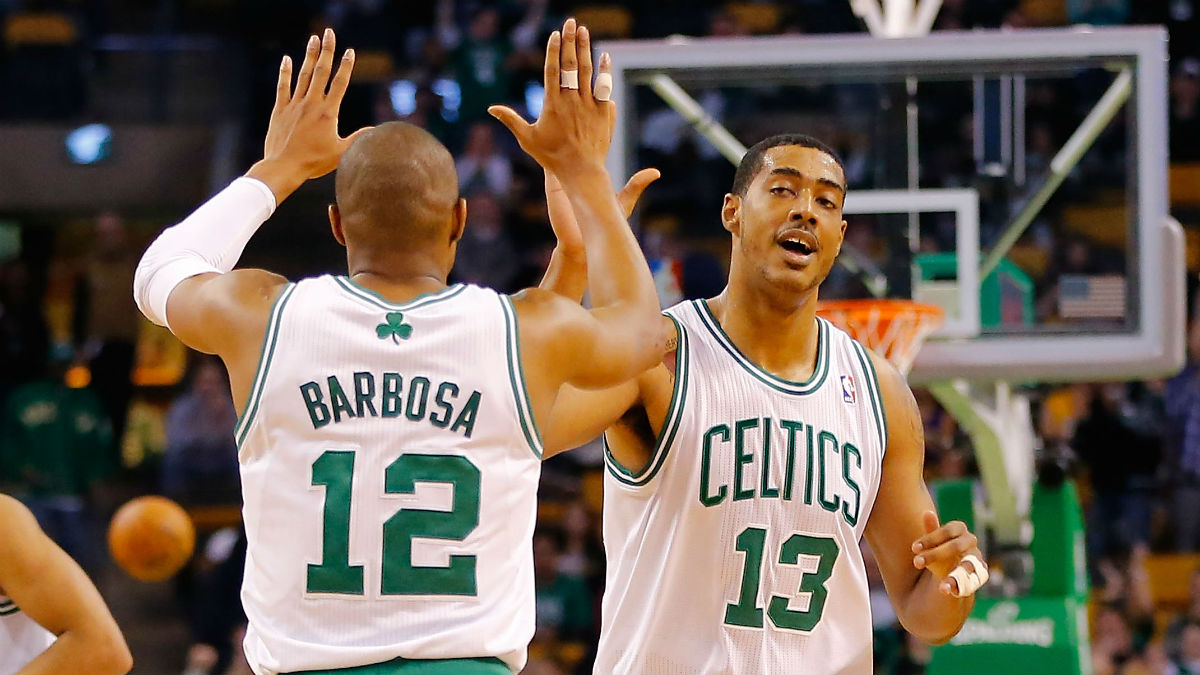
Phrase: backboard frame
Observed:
(1155, 345)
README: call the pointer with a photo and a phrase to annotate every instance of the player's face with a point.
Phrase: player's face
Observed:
(788, 227)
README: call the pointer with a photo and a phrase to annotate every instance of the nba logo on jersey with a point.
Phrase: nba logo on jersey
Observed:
(848, 394)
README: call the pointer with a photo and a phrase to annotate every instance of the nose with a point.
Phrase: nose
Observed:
(803, 210)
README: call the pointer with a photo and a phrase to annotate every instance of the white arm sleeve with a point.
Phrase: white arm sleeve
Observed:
(211, 239)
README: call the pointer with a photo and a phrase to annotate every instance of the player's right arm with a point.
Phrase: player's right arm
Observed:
(51, 589)
(562, 343)
(185, 280)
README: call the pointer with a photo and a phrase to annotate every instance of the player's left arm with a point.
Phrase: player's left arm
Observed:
(566, 274)
(53, 591)
(931, 571)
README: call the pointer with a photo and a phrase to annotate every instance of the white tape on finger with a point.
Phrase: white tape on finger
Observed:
(604, 85)
(569, 79)
(961, 576)
(980, 567)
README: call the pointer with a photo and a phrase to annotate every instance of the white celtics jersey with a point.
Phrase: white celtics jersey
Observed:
(736, 549)
(389, 470)
(21, 638)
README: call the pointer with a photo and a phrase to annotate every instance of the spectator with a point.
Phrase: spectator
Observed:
(1185, 111)
(482, 167)
(106, 320)
(24, 337)
(200, 464)
(1173, 636)
(564, 607)
(1182, 400)
(1188, 661)
(55, 443)
(1098, 12)
(486, 255)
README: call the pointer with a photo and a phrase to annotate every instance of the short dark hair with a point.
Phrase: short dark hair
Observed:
(752, 161)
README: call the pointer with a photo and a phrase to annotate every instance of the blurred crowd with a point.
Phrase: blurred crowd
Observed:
(98, 406)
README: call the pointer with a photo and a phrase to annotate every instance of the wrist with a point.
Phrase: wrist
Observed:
(281, 178)
(581, 172)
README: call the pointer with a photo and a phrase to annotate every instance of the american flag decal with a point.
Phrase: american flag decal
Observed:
(1082, 296)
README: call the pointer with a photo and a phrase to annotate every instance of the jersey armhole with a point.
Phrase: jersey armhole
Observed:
(666, 436)
(516, 378)
(873, 393)
(246, 419)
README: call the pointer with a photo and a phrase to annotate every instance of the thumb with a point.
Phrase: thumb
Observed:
(509, 118)
(349, 140)
(930, 518)
(637, 184)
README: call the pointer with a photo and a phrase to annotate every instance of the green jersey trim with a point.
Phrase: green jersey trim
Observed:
(666, 435)
(516, 377)
(347, 284)
(264, 362)
(479, 666)
(814, 382)
(10, 608)
(874, 391)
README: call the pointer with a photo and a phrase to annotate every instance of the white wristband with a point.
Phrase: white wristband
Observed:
(211, 239)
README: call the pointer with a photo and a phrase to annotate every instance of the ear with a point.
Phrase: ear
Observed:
(841, 236)
(731, 213)
(460, 220)
(335, 224)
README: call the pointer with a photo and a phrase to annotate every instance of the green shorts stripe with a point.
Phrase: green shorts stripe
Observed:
(481, 666)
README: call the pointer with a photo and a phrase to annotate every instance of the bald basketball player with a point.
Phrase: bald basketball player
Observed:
(388, 444)
(52, 619)
(743, 473)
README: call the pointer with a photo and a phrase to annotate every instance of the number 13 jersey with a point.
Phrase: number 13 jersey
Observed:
(389, 470)
(736, 548)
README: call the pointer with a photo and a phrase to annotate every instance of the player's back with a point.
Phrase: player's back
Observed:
(389, 471)
(735, 549)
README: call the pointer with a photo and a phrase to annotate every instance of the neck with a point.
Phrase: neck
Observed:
(776, 330)
(397, 277)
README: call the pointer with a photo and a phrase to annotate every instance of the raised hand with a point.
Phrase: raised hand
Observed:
(573, 131)
(302, 138)
(562, 219)
(952, 553)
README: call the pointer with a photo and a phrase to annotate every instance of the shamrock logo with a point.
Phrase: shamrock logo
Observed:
(395, 328)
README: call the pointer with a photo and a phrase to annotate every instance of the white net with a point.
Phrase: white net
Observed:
(894, 329)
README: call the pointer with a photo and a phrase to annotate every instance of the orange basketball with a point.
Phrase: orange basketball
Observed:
(151, 538)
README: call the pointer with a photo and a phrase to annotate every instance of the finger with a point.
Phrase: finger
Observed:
(306, 68)
(634, 187)
(349, 140)
(324, 64)
(930, 520)
(509, 118)
(341, 81)
(952, 529)
(283, 88)
(550, 76)
(569, 59)
(948, 553)
(604, 81)
(583, 50)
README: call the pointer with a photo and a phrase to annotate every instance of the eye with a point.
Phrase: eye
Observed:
(827, 203)
(780, 191)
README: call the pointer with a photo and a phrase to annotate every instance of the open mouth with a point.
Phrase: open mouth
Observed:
(799, 244)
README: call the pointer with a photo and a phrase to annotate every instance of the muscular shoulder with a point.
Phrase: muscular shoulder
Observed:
(906, 435)
(19, 533)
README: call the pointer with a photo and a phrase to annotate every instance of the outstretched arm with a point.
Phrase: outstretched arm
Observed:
(185, 279)
(621, 336)
(925, 565)
(53, 591)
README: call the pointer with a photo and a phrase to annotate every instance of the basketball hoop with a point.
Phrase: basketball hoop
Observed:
(894, 329)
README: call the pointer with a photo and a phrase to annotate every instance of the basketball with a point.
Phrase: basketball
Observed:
(151, 538)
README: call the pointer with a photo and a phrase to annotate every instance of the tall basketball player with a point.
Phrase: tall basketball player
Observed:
(743, 473)
(388, 448)
(52, 619)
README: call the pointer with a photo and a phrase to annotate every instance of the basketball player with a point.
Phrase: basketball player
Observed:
(52, 619)
(743, 473)
(388, 448)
